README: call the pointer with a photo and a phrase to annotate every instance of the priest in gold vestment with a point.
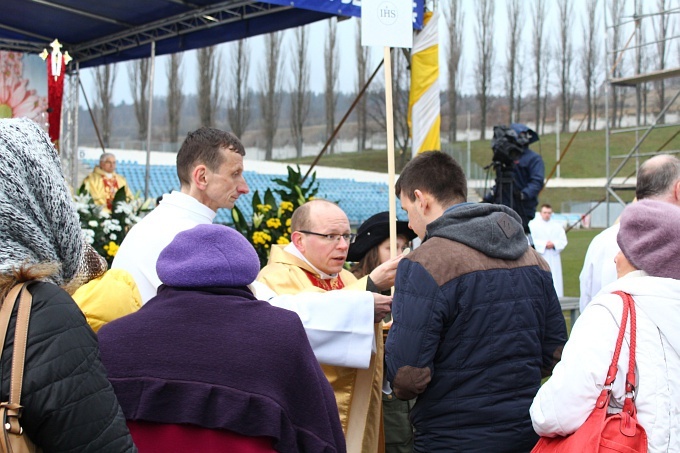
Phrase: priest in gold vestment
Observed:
(103, 182)
(314, 259)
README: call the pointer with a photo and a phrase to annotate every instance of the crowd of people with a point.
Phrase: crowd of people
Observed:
(186, 344)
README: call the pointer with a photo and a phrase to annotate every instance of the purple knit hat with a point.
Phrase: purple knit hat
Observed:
(650, 237)
(208, 255)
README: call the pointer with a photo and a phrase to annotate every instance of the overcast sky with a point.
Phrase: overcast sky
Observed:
(346, 37)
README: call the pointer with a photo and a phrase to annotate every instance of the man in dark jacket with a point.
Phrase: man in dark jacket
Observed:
(527, 170)
(477, 323)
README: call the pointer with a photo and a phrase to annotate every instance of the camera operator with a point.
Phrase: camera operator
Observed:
(519, 171)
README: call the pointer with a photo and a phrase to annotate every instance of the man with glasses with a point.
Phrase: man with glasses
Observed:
(314, 260)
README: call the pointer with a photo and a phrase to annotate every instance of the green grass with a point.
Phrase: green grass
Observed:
(585, 157)
(572, 258)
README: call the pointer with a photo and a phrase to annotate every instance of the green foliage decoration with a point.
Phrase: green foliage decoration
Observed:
(270, 222)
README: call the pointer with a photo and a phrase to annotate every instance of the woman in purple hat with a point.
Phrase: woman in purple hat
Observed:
(205, 366)
(648, 267)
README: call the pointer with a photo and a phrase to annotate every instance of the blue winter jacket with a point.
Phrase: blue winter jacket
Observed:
(477, 307)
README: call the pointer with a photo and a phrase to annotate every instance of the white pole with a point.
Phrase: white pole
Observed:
(390, 151)
(148, 121)
(467, 168)
(557, 140)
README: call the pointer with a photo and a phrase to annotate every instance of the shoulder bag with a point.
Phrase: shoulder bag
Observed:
(13, 439)
(601, 432)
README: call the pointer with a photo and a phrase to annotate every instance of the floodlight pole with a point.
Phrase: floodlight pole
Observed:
(147, 175)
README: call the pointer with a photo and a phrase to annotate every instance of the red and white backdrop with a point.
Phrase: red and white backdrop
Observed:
(27, 91)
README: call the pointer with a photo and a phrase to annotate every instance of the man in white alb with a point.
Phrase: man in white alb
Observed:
(550, 239)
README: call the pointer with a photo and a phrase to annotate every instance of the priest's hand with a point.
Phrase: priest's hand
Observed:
(382, 305)
(383, 275)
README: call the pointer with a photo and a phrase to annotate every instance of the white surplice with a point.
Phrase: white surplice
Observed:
(541, 233)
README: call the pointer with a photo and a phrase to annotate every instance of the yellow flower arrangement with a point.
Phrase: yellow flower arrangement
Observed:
(260, 237)
(269, 216)
(274, 222)
(111, 248)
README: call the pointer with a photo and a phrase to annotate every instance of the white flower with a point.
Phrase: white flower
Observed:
(88, 235)
(93, 223)
(112, 236)
(110, 225)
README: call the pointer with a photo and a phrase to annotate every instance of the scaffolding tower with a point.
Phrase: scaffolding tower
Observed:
(617, 79)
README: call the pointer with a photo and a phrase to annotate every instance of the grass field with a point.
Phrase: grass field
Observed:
(585, 157)
(572, 258)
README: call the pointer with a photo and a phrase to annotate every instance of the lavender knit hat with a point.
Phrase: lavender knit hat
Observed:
(649, 237)
(208, 255)
(38, 221)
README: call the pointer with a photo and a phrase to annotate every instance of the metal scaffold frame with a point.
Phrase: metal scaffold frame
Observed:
(616, 80)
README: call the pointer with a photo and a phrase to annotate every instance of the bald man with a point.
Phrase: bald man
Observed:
(658, 179)
(314, 260)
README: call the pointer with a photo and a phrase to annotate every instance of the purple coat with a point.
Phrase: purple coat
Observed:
(220, 359)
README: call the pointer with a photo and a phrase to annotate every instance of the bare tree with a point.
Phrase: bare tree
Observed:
(209, 75)
(589, 57)
(615, 13)
(454, 22)
(175, 98)
(521, 75)
(270, 85)
(661, 49)
(299, 94)
(565, 49)
(138, 74)
(484, 10)
(546, 63)
(238, 108)
(105, 77)
(331, 66)
(514, 35)
(362, 56)
(538, 49)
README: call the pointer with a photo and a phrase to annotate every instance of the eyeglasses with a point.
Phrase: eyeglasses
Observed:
(348, 237)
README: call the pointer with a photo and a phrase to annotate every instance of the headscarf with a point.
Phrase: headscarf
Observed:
(38, 221)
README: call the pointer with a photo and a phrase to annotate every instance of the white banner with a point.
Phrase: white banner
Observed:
(387, 23)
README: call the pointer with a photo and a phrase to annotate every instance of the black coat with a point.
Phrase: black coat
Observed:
(69, 404)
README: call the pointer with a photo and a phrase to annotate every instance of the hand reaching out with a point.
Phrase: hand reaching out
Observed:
(383, 306)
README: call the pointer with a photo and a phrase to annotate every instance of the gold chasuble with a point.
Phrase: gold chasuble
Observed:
(103, 186)
(358, 392)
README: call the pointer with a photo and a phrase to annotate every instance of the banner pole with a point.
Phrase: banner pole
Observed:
(389, 121)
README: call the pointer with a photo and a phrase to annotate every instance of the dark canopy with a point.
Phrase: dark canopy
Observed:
(97, 32)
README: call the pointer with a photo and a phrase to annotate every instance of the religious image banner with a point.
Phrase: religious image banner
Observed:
(23, 87)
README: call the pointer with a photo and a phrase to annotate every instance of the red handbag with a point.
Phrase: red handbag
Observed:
(601, 432)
